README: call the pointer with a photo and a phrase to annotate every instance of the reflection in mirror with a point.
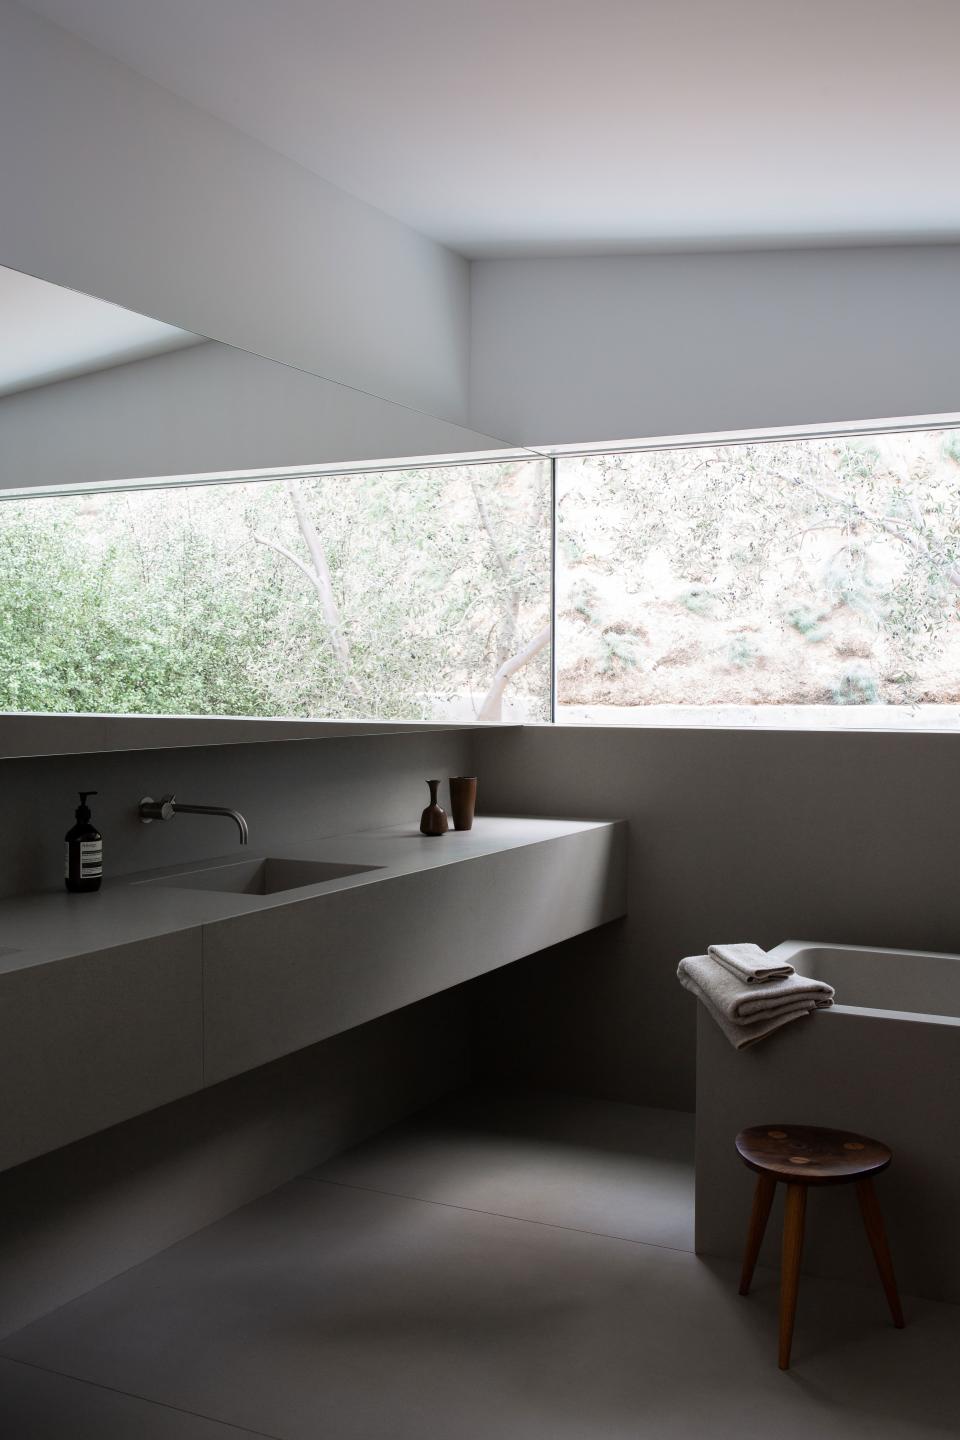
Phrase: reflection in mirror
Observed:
(91, 393)
(189, 530)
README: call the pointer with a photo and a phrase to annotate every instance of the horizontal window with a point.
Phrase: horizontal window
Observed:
(395, 595)
(811, 581)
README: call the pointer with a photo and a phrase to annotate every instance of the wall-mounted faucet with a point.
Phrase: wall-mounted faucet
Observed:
(169, 806)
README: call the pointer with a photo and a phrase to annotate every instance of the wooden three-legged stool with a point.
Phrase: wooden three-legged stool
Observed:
(801, 1156)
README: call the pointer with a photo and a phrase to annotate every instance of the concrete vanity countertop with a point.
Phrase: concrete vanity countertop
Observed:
(116, 1002)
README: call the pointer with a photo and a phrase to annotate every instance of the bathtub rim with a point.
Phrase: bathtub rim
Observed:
(787, 950)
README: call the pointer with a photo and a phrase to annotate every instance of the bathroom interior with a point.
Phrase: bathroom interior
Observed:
(405, 395)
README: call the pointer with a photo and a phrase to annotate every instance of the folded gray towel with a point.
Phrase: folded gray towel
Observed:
(740, 1036)
(749, 963)
(739, 1002)
(746, 1016)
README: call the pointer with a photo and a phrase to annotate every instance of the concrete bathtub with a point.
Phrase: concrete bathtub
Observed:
(884, 1061)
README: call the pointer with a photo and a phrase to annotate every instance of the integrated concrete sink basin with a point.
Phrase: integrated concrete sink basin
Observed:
(250, 955)
(259, 877)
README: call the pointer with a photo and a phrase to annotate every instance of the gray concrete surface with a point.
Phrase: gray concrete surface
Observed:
(347, 1312)
(734, 835)
(892, 1076)
(88, 1211)
(199, 986)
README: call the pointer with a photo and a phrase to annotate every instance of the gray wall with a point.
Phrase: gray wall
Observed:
(117, 187)
(288, 790)
(605, 349)
(734, 835)
(204, 409)
(76, 1217)
(761, 835)
(894, 1077)
(71, 1219)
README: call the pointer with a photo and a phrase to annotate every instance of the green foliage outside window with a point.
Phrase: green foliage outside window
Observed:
(206, 600)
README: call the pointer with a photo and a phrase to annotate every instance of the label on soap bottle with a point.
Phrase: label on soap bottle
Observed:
(91, 859)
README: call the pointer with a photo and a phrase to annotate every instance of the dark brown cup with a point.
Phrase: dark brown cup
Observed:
(463, 800)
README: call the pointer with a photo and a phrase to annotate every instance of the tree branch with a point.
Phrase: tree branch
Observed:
(492, 535)
(513, 603)
(492, 707)
(891, 526)
(287, 555)
(318, 573)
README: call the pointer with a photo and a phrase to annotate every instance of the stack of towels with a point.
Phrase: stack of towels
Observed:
(748, 996)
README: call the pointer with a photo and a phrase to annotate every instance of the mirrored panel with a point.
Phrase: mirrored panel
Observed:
(91, 393)
(188, 530)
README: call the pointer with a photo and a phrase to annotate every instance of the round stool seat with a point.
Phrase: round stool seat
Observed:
(801, 1156)
(809, 1155)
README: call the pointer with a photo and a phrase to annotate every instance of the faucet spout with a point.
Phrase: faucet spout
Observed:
(234, 815)
(169, 806)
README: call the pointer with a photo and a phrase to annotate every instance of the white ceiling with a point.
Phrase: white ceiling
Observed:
(569, 126)
(48, 333)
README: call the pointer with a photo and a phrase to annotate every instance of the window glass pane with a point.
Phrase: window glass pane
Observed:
(396, 595)
(813, 581)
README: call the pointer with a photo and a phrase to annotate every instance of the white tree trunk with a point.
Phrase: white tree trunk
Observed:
(492, 707)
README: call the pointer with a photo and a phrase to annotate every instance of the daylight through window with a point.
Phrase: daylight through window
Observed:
(802, 581)
(787, 582)
(396, 595)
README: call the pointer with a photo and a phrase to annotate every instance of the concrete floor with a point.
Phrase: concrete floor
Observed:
(509, 1267)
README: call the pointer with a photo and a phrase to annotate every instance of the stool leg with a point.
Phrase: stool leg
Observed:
(793, 1218)
(759, 1215)
(877, 1235)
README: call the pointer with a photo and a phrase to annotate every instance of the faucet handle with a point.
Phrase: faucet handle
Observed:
(151, 809)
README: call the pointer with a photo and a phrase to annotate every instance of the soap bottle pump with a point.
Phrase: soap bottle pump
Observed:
(84, 850)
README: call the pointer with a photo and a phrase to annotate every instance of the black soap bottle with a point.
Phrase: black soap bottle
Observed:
(84, 850)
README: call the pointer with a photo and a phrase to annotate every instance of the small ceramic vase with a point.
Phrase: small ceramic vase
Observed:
(433, 821)
(463, 800)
